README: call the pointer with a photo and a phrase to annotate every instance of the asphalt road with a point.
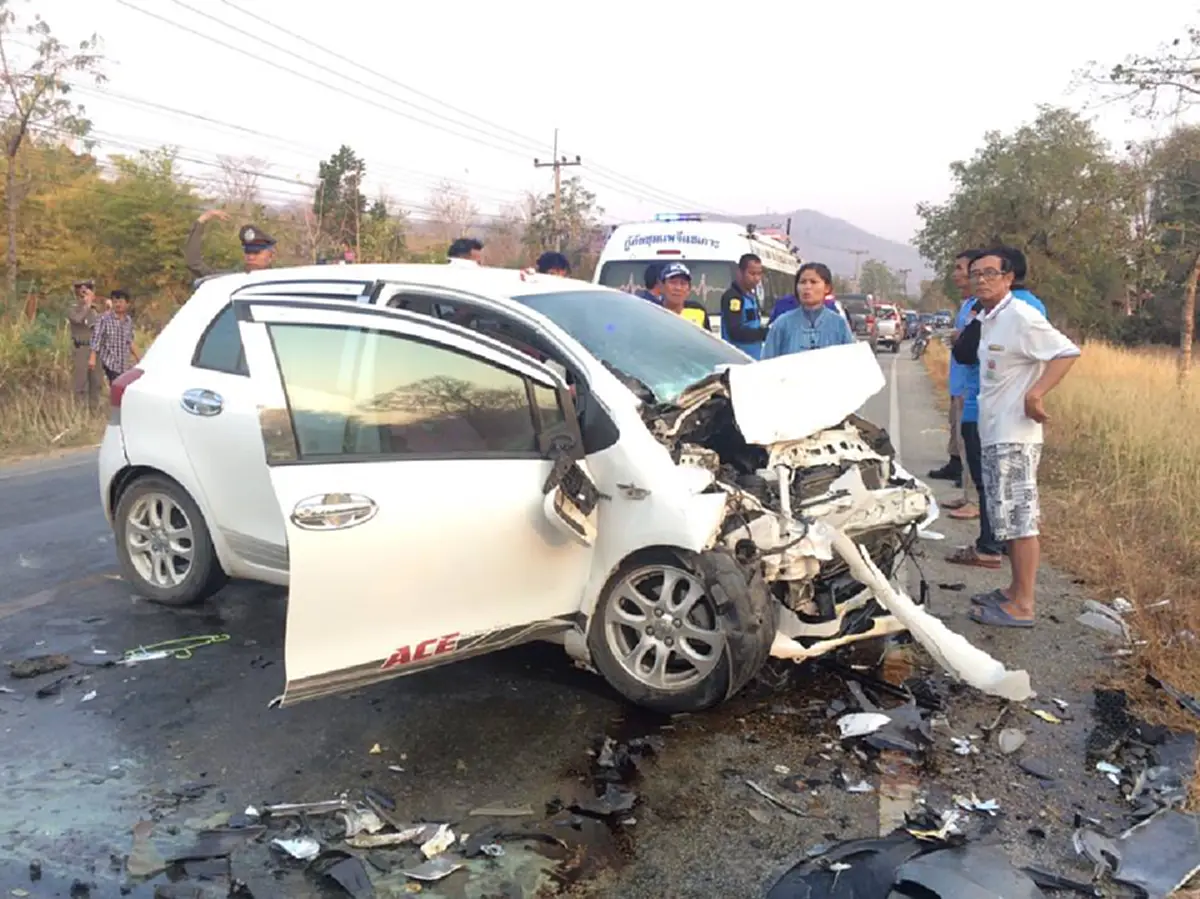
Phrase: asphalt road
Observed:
(77, 772)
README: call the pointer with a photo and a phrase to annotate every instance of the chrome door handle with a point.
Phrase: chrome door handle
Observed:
(333, 511)
(202, 402)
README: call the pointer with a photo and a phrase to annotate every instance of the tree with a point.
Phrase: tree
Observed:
(1051, 189)
(384, 234)
(877, 279)
(1165, 82)
(450, 212)
(35, 99)
(338, 201)
(572, 228)
(506, 236)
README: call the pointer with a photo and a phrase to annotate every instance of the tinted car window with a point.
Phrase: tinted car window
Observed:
(354, 392)
(220, 347)
(664, 351)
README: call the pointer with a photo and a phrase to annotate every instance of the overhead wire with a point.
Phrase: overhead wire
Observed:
(645, 194)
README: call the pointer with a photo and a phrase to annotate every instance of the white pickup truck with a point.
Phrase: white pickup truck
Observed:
(889, 327)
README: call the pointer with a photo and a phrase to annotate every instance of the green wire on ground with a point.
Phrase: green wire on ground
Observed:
(178, 649)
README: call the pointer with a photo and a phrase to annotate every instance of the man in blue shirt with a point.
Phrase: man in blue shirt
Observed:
(741, 321)
(953, 470)
(653, 281)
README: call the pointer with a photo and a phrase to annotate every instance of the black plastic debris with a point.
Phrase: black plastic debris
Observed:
(966, 872)
(1114, 724)
(346, 870)
(217, 843)
(35, 666)
(1051, 881)
(1160, 855)
(859, 869)
(612, 800)
(1186, 702)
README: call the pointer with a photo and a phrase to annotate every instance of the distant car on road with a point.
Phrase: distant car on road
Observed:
(943, 318)
(889, 327)
(443, 461)
(912, 323)
(862, 315)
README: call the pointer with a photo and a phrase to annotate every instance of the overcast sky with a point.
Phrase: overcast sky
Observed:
(854, 109)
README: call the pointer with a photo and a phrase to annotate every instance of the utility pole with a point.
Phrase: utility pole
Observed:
(557, 165)
(904, 273)
(857, 254)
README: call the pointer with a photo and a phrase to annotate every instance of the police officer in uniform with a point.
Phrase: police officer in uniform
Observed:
(83, 317)
(741, 321)
(258, 246)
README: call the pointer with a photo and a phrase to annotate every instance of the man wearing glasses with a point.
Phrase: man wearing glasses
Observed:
(1022, 357)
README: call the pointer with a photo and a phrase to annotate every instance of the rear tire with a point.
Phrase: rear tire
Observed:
(163, 544)
(731, 611)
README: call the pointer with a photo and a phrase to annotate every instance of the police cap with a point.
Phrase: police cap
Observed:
(254, 239)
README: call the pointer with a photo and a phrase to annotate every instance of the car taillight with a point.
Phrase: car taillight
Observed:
(117, 390)
(870, 319)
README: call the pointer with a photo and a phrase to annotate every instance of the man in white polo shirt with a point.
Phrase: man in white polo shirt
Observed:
(1022, 357)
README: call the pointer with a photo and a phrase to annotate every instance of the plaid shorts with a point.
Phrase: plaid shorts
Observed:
(1011, 490)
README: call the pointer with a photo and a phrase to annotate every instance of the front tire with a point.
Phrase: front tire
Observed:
(163, 544)
(682, 633)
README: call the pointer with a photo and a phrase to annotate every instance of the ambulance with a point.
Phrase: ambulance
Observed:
(710, 249)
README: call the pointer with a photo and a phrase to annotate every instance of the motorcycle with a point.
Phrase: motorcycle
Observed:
(921, 342)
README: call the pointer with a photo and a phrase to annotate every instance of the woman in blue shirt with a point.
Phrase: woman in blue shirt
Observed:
(812, 325)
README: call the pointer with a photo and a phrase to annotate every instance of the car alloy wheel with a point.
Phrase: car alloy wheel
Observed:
(663, 629)
(160, 540)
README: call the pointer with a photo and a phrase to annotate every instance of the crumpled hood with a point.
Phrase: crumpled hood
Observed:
(784, 399)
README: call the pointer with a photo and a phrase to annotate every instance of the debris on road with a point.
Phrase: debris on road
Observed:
(500, 811)
(144, 859)
(301, 848)
(434, 870)
(1048, 717)
(775, 800)
(1010, 740)
(35, 666)
(347, 871)
(859, 724)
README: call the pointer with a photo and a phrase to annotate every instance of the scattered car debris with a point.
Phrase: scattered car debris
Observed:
(326, 807)
(1010, 740)
(501, 811)
(301, 848)
(975, 804)
(1160, 855)
(375, 750)
(361, 821)
(144, 859)
(859, 724)
(442, 839)
(964, 746)
(35, 666)
(966, 871)
(1186, 702)
(1048, 717)
(88, 696)
(776, 800)
(347, 871)
(861, 787)
(1105, 619)
(436, 869)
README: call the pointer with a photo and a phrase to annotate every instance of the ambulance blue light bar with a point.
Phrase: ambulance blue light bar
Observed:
(678, 217)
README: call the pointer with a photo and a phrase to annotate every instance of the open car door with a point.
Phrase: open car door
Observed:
(431, 483)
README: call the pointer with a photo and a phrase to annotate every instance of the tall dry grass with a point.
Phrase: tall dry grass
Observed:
(1121, 495)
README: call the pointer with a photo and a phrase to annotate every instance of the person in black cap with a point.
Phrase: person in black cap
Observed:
(257, 245)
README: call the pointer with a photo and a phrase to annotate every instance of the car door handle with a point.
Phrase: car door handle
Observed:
(333, 511)
(202, 402)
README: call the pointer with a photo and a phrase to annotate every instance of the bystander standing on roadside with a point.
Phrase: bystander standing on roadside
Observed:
(741, 319)
(812, 325)
(112, 339)
(465, 251)
(652, 278)
(964, 507)
(953, 470)
(677, 294)
(85, 381)
(1022, 357)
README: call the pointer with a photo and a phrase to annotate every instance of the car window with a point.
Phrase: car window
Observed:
(665, 352)
(470, 317)
(355, 392)
(220, 347)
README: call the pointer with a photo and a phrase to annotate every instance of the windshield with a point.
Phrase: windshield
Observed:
(665, 352)
(709, 279)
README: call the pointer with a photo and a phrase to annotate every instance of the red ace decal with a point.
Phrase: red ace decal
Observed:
(426, 649)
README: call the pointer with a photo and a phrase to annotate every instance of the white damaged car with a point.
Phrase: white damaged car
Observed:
(442, 461)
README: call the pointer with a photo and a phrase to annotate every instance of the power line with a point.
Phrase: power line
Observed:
(531, 142)
(608, 178)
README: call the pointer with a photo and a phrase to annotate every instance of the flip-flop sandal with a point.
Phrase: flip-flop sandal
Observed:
(964, 513)
(996, 616)
(966, 555)
(991, 598)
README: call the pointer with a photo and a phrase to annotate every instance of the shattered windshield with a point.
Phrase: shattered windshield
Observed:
(665, 352)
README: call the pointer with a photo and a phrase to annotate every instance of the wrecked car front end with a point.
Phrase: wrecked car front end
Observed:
(787, 500)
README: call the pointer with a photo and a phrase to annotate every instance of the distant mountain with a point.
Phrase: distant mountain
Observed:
(823, 238)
